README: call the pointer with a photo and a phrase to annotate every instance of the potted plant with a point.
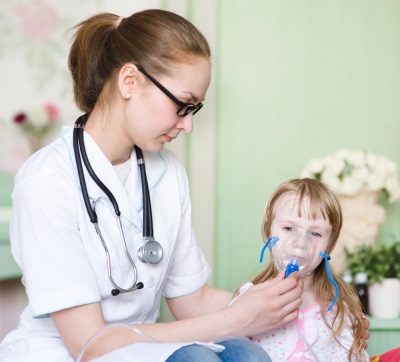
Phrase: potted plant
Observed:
(382, 266)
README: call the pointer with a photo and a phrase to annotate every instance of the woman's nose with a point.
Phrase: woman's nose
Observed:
(185, 124)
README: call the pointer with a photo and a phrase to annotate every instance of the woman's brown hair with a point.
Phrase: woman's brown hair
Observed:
(153, 39)
(322, 202)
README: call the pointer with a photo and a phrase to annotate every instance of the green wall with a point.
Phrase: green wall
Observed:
(297, 79)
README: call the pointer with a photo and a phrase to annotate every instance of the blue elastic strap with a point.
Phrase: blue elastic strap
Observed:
(328, 271)
(270, 243)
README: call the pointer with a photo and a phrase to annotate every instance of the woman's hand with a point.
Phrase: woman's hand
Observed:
(261, 308)
(267, 305)
(367, 333)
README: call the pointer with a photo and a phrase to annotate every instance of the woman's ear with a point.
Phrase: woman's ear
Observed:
(127, 80)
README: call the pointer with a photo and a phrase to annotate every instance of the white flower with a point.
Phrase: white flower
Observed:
(343, 153)
(38, 117)
(351, 186)
(315, 165)
(361, 174)
(347, 172)
(371, 160)
(389, 165)
(306, 174)
(392, 187)
(376, 182)
(334, 165)
(332, 180)
(356, 158)
(380, 169)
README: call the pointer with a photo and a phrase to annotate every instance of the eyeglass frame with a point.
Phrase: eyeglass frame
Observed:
(190, 107)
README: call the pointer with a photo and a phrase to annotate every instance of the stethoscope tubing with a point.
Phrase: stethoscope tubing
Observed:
(147, 212)
(80, 151)
(77, 130)
(90, 170)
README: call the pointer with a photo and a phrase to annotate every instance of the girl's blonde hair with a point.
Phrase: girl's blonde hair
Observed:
(322, 203)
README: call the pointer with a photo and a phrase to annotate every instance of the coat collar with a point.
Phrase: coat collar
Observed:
(129, 205)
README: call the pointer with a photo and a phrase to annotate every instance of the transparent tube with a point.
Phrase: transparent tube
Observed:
(305, 342)
(111, 326)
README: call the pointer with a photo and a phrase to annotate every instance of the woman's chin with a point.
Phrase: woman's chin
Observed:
(154, 147)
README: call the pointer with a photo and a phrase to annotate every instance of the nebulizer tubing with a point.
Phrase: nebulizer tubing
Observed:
(305, 342)
(152, 340)
(106, 328)
(290, 268)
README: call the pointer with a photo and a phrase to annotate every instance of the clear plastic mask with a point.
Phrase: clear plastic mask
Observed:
(295, 249)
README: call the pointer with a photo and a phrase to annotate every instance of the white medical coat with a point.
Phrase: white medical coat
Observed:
(63, 260)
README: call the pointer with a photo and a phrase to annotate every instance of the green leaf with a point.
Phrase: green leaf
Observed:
(380, 262)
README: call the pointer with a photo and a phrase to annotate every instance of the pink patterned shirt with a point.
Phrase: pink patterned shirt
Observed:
(286, 344)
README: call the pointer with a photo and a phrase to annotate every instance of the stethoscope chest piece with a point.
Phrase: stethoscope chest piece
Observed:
(151, 252)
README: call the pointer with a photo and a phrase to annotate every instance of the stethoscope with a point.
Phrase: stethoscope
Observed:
(151, 252)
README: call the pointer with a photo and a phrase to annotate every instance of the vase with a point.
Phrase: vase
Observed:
(362, 216)
(384, 299)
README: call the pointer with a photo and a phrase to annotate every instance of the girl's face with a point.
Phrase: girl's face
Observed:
(151, 115)
(301, 238)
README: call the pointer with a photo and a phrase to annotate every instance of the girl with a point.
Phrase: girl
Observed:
(301, 224)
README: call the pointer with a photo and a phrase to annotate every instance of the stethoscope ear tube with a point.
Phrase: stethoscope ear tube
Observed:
(78, 131)
(93, 175)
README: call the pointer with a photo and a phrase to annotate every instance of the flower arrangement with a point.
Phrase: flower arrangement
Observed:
(350, 171)
(37, 123)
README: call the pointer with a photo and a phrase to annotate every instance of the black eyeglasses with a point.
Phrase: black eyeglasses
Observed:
(184, 108)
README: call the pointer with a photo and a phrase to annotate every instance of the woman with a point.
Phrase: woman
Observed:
(78, 204)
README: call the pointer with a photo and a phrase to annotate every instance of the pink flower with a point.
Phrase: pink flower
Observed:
(52, 111)
(38, 19)
(20, 118)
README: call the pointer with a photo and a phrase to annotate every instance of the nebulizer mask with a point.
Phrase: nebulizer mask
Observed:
(293, 252)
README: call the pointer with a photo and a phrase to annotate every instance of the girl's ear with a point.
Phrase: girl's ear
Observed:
(127, 77)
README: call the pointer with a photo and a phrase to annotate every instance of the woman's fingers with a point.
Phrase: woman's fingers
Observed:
(270, 304)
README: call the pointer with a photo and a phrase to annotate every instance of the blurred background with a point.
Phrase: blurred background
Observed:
(292, 80)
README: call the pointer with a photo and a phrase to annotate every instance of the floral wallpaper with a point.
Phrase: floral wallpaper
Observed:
(34, 46)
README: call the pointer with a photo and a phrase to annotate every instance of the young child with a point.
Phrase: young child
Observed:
(301, 224)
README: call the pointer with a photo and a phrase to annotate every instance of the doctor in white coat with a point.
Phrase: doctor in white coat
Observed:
(139, 81)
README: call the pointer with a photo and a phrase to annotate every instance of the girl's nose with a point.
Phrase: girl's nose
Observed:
(300, 241)
(185, 124)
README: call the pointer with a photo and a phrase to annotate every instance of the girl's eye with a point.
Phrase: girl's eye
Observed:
(315, 234)
(288, 228)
